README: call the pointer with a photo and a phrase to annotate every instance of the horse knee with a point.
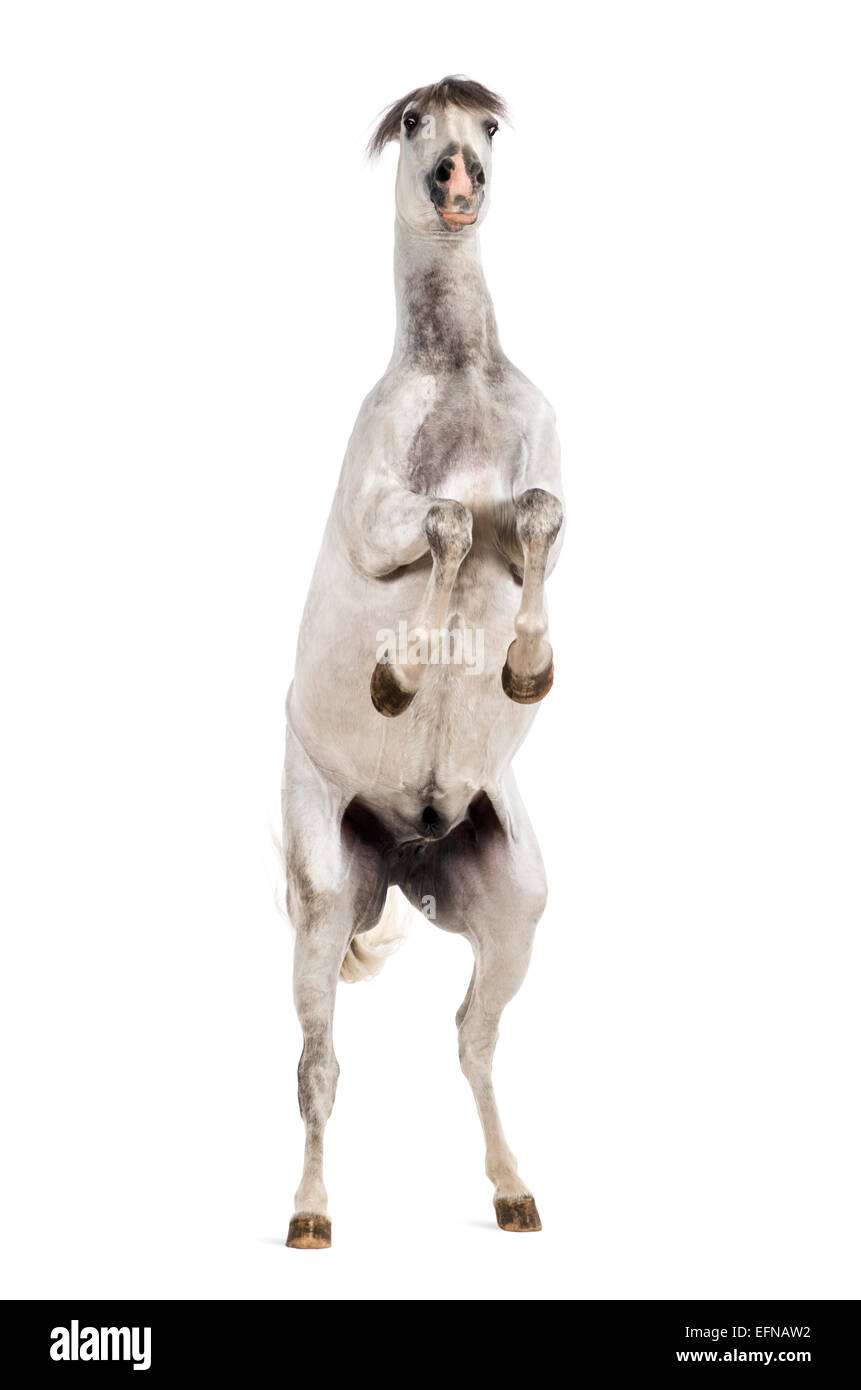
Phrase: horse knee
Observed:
(538, 517)
(448, 527)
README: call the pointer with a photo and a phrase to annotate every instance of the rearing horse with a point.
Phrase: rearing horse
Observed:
(445, 523)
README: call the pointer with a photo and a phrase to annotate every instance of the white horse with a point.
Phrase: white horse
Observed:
(446, 520)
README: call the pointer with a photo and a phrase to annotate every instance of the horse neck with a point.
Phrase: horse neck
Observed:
(445, 318)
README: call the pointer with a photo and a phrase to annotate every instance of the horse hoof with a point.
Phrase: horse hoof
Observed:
(517, 1214)
(526, 690)
(310, 1233)
(386, 694)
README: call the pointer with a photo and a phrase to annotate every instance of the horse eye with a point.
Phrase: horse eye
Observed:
(491, 131)
(411, 122)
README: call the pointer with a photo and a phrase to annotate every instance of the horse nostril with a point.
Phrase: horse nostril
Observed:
(444, 170)
(476, 172)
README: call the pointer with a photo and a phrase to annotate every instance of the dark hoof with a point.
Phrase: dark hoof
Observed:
(517, 1214)
(526, 690)
(386, 694)
(310, 1233)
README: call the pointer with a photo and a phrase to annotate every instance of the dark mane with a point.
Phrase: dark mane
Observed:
(451, 91)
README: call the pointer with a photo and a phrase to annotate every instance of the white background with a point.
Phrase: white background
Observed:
(196, 295)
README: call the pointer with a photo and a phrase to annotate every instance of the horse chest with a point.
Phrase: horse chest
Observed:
(466, 435)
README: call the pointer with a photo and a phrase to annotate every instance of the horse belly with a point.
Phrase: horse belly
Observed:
(460, 733)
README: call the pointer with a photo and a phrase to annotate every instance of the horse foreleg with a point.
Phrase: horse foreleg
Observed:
(528, 672)
(448, 528)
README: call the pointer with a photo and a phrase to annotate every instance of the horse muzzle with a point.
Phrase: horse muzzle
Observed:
(457, 188)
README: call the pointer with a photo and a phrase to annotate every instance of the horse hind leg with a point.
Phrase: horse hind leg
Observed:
(498, 976)
(334, 888)
(491, 886)
(316, 966)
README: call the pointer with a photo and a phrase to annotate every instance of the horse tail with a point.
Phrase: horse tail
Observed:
(367, 952)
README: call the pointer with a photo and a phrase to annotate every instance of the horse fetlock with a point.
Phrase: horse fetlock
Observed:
(500, 1165)
(530, 627)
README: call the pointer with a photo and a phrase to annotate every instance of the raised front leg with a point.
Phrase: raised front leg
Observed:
(528, 672)
(448, 530)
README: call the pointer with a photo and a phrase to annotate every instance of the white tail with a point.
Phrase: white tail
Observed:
(367, 952)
